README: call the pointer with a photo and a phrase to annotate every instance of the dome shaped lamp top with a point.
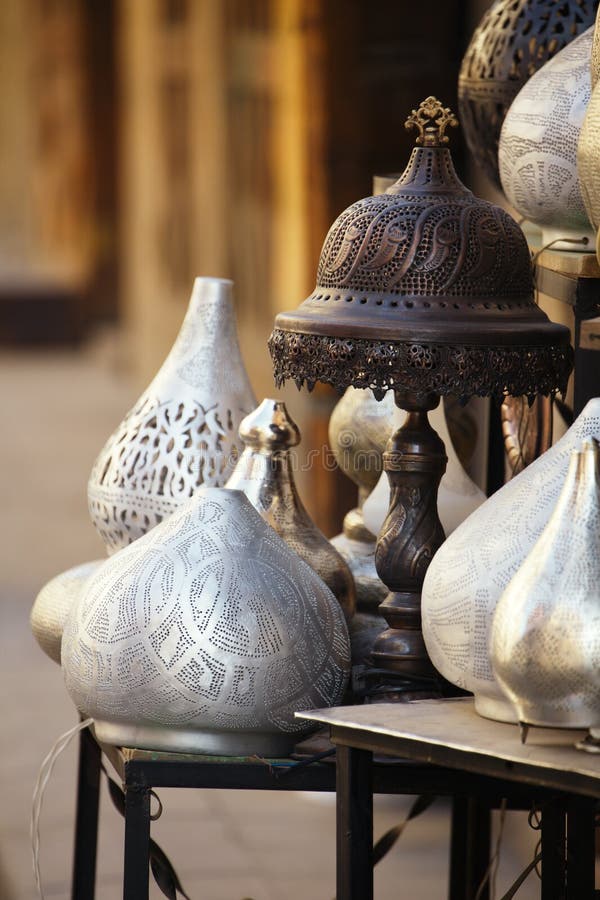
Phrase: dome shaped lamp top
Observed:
(425, 288)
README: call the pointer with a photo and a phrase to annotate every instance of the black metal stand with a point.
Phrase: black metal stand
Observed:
(355, 824)
(355, 775)
(86, 818)
(581, 851)
(469, 848)
(136, 874)
(568, 865)
(567, 821)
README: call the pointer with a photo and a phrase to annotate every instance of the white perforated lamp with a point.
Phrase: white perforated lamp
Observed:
(205, 636)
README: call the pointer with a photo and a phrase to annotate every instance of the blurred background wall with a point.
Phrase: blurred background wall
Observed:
(143, 142)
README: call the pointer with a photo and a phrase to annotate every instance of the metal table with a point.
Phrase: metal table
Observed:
(356, 775)
(562, 781)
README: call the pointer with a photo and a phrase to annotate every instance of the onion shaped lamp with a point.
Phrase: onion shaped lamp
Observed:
(425, 290)
(514, 39)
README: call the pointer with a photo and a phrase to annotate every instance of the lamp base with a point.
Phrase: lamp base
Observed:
(415, 460)
(373, 685)
(400, 649)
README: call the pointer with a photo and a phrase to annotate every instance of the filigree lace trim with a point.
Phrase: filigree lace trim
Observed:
(419, 368)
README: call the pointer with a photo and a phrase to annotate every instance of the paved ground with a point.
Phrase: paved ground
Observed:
(57, 409)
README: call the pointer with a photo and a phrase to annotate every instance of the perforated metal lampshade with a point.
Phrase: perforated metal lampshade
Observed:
(424, 289)
(514, 39)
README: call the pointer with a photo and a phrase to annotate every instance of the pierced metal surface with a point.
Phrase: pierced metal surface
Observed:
(425, 289)
(514, 39)
(472, 568)
(419, 368)
(205, 635)
(182, 432)
(265, 474)
(427, 236)
(588, 159)
(537, 153)
(545, 636)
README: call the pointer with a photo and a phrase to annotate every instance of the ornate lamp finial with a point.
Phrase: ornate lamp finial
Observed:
(432, 119)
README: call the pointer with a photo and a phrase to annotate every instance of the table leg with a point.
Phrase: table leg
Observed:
(354, 824)
(553, 850)
(580, 848)
(137, 843)
(458, 848)
(86, 819)
(469, 848)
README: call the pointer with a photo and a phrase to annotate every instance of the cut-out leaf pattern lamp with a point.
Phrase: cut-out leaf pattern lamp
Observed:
(425, 290)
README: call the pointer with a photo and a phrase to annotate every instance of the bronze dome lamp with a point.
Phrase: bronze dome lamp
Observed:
(424, 290)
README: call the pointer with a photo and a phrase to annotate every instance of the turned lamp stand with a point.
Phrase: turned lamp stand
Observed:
(415, 461)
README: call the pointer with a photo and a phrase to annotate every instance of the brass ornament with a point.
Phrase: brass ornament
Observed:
(458, 370)
(265, 474)
(431, 119)
(527, 430)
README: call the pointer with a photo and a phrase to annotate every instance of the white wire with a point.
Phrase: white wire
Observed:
(41, 784)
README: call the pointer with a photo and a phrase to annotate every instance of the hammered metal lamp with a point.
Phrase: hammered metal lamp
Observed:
(425, 290)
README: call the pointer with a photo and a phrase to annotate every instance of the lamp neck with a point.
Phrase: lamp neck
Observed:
(413, 402)
(429, 169)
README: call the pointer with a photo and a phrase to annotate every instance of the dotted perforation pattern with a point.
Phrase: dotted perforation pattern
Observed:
(210, 621)
(435, 246)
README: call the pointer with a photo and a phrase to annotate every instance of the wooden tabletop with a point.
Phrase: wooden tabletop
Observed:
(572, 263)
(450, 733)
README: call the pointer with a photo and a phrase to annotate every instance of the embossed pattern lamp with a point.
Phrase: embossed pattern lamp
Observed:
(426, 291)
